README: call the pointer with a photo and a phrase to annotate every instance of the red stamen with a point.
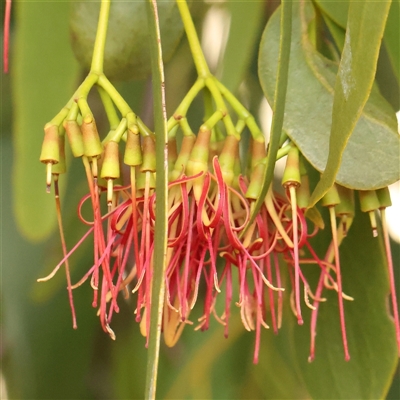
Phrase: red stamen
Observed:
(6, 35)
(339, 282)
(391, 277)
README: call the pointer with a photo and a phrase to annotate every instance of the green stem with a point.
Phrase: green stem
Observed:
(219, 102)
(279, 102)
(161, 224)
(116, 133)
(242, 112)
(59, 118)
(108, 105)
(185, 103)
(100, 42)
(195, 47)
(118, 100)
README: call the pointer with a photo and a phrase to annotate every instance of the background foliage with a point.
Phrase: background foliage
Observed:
(44, 358)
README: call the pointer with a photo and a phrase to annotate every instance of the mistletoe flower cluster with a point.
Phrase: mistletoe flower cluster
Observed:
(228, 245)
(218, 244)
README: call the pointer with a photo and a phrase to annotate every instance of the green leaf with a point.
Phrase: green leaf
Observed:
(279, 103)
(338, 33)
(365, 27)
(160, 245)
(277, 365)
(336, 10)
(207, 365)
(392, 37)
(245, 25)
(370, 159)
(370, 330)
(43, 356)
(43, 71)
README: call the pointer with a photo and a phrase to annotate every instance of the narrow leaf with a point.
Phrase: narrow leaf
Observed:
(365, 27)
(160, 118)
(278, 105)
(392, 37)
(336, 10)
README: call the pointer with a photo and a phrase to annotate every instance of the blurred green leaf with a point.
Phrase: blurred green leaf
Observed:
(370, 330)
(392, 37)
(365, 165)
(277, 366)
(43, 357)
(43, 71)
(245, 25)
(337, 10)
(338, 33)
(127, 54)
(354, 80)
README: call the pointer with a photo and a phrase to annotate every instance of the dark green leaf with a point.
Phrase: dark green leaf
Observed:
(370, 330)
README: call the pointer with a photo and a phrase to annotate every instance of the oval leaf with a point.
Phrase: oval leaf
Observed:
(370, 159)
(365, 27)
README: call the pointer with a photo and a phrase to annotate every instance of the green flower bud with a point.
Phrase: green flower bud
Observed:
(91, 140)
(75, 139)
(291, 175)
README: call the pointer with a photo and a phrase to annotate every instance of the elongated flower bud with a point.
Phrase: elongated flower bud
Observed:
(291, 175)
(60, 167)
(133, 152)
(75, 139)
(331, 197)
(149, 155)
(50, 153)
(369, 203)
(91, 139)
(50, 148)
(110, 167)
(384, 197)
